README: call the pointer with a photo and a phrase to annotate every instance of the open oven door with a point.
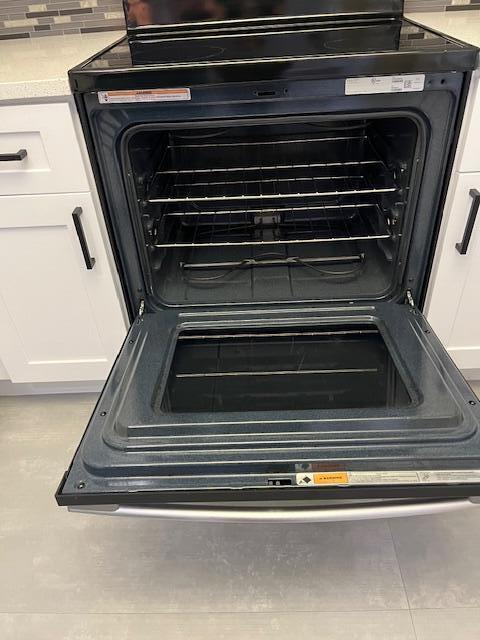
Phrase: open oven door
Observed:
(286, 414)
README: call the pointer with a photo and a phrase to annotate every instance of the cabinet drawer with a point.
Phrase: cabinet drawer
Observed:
(49, 161)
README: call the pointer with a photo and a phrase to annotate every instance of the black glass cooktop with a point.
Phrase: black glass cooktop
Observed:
(279, 44)
(169, 57)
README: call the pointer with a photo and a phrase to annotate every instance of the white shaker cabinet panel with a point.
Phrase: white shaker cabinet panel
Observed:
(39, 150)
(59, 320)
(468, 153)
(3, 372)
(453, 305)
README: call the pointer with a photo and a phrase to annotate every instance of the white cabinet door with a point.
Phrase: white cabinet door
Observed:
(59, 321)
(453, 305)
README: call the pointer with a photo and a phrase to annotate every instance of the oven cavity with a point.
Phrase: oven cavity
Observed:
(273, 212)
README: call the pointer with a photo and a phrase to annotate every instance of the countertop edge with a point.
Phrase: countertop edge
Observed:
(44, 75)
(460, 25)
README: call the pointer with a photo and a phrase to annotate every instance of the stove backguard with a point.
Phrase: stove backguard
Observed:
(144, 15)
(275, 212)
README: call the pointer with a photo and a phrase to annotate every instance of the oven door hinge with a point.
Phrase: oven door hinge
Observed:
(409, 299)
(141, 308)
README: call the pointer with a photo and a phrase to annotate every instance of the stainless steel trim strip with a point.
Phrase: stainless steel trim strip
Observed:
(273, 19)
(281, 516)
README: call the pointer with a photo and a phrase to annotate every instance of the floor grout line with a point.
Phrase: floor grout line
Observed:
(413, 625)
(198, 613)
(230, 613)
(453, 608)
(403, 580)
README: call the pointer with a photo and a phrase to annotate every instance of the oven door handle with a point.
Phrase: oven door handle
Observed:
(283, 515)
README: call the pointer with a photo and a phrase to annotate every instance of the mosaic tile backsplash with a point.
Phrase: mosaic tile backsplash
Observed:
(18, 19)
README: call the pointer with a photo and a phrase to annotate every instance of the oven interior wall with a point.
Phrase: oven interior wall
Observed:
(273, 212)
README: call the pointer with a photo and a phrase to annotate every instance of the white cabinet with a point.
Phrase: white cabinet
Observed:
(468, 157)
(52, 161)
(454, 306)
(453, 301)
(59, 320)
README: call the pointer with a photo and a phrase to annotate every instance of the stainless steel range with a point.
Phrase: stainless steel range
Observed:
(272, 175)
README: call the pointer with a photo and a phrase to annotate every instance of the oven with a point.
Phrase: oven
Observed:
(273, 228)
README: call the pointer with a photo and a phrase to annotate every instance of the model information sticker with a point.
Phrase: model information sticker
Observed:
(351, 478)
(384, 84)
(144, 95)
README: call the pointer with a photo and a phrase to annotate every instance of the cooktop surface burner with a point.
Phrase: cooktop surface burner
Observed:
(282, 43)
(175, 52)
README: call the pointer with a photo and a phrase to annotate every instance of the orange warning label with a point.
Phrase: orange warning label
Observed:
(331, 477)
(326, 477)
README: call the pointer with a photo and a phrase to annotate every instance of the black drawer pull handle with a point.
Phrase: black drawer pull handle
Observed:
(89, 261)
(462, 247)
(13, 157)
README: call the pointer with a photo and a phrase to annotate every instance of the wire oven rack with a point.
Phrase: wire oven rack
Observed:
(250, 183)
(294, 168)
(270, 226)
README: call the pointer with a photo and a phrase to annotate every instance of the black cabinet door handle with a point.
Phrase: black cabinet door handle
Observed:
(13, 157)
(89, 261)
(462, 247)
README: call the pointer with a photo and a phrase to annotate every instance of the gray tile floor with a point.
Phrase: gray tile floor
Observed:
(73, 577)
